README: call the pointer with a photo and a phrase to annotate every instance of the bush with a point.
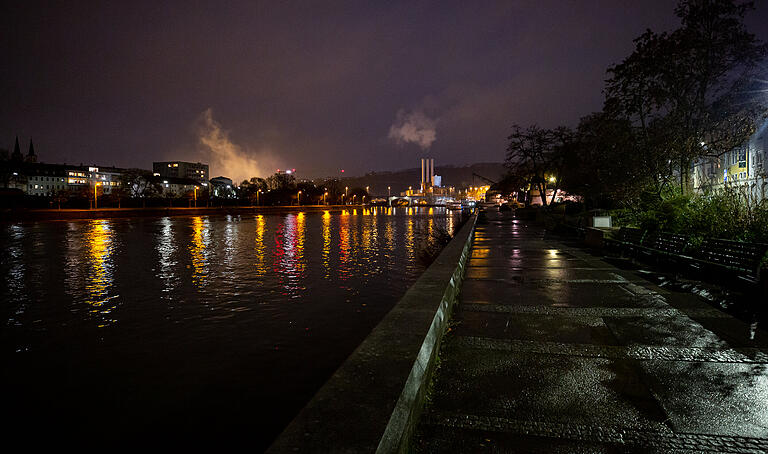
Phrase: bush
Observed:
(731, 213)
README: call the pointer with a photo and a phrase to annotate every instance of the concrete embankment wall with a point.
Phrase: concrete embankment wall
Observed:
(372, 402)
(106, 213)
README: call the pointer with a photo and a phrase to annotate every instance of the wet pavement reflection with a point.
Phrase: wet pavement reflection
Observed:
(553, 349)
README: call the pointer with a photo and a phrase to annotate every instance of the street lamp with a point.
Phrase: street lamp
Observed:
(96, 196)
(298, 202)
(257, 197)
(325, 194)
(195, 195)
(389, 191)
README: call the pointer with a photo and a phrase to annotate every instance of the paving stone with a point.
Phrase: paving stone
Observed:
(555, 350)
(638, 352)
(539, 387)
(598, 438)
(538, 327)
(712, 398)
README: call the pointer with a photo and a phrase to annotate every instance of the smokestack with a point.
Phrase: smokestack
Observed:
(431, 171)
(423, 173)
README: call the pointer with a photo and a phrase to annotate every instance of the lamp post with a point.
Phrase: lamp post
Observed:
(96, 196)
(298, 202)
(325, 194)
(257, 196)
(195, 195)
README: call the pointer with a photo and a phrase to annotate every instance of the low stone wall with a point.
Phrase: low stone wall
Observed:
(373, 401)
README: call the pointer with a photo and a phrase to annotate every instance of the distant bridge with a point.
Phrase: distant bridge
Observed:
(413, 200)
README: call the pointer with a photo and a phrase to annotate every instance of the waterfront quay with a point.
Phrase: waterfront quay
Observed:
(529, 343)
(552, 349)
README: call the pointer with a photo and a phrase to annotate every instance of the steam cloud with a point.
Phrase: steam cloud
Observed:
(413, 127)
(227, 158)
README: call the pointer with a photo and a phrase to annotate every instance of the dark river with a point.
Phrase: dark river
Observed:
(210, 329)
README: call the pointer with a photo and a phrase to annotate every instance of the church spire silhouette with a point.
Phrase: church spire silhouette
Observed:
(17, 156)
(31, 157)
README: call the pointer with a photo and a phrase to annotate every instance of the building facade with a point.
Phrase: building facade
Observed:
(222, 187)
(745, 167)
(180, 169)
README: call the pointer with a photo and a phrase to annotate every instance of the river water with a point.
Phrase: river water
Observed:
(201, 329)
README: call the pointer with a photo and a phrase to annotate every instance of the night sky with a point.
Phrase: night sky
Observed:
(250, 87)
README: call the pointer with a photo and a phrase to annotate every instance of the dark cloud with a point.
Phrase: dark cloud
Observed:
(311, 85)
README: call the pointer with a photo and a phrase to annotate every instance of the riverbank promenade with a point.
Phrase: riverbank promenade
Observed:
(553, 349)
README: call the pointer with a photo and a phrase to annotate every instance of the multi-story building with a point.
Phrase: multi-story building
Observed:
(176, 187)
(107, 178)
(180, 169)
(745, 167)
(45, 179)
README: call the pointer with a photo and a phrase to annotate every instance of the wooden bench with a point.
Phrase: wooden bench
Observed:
(666, 244)
(629, 239)
(740, 258)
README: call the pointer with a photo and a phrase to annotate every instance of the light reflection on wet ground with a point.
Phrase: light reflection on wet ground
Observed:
(191, 323)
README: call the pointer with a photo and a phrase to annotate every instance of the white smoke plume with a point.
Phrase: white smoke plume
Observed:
(227, 158)
(413, 127)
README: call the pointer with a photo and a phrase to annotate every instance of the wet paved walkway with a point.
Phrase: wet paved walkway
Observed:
(555, 350)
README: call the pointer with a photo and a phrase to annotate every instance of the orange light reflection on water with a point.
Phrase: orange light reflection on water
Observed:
(98, 239)
(326, 252)
(260, 249)
(201, 238)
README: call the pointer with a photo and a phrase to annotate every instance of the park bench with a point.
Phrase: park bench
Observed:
(736, 257)
(670, 246)
(629, 239)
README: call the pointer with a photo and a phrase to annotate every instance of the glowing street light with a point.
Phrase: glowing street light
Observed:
(325, 194)
(95, 196)
(194, 192)
(389, 191)
(298, 202)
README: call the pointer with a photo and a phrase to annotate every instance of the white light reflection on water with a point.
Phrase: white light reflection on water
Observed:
(13, 261)
(289, 254)
(165, 245)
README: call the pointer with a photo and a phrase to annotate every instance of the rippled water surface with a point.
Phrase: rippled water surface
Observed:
(210, 328)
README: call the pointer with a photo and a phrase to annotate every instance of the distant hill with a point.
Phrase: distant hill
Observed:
(456, 176)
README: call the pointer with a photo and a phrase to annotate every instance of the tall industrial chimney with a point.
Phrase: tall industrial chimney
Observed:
(431, 172)
(423, 174)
